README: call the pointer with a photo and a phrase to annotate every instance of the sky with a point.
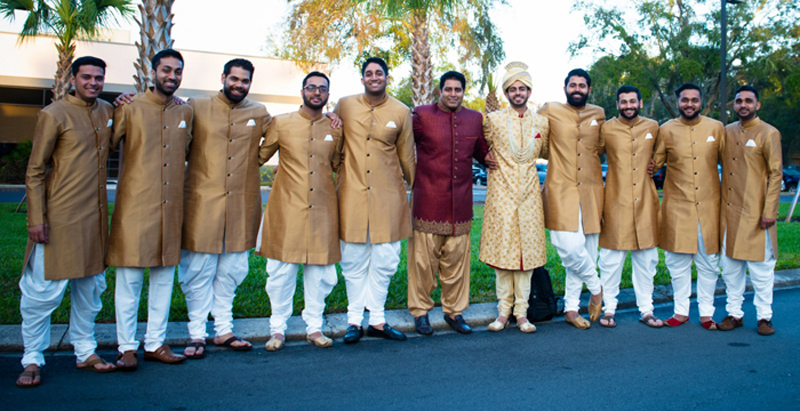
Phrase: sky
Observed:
(536, 32)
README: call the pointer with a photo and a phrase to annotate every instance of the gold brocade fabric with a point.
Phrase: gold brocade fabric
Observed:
(65, 186)
(513, 218)
(691, 150)
(630, 211)
(751, 187)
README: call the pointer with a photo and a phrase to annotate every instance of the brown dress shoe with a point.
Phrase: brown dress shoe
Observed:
(127, 361)
(765, 327)
(730, 322)
(165, 355)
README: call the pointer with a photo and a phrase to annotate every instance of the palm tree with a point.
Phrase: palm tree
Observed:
(155, 31)
(67, 20)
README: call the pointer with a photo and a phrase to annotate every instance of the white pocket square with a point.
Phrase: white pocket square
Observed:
(648, 136)
(182, 124)
(750, 143)
(391, 124)
(328, 138)
(594, 123)
(710, 139)
(110, 122)
(251, 123)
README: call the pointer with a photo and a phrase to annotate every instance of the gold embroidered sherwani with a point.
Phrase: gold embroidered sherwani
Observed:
(512, 236)
(574, 176)
(72, 140)
(691, 151)
(751, 187)
(148, 212)
(223, 185)
(301, 220)
(630, 212)
(378, 155)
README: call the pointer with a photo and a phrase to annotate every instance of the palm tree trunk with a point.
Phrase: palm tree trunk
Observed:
(155, 31)
(421, 70)
(66, 51)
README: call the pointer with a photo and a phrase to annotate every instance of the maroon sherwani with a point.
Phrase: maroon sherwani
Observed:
(446, 143)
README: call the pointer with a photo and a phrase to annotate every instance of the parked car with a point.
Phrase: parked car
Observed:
(541, 169)
(659, 176)
(478, 175)
(791, 177)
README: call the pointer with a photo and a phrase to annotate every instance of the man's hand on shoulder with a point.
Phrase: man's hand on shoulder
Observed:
(336, 121)
(124, 98)
(38, 233)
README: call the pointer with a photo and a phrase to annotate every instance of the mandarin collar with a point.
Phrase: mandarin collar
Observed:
(447, 110)
(754, 122)
(694, 122)
(630, 123)
(222, 97)
(365, 100)
(154, 99)
(513, 113)
(307, 117)
(69, 98)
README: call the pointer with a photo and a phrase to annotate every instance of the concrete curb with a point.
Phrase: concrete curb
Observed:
(256, 330)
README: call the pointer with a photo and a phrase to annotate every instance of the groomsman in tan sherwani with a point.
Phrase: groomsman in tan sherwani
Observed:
(690, 146)
(513, 239)
(154, 134)
(301, 220)
(373, 205)
(222, 205)
(573, 193)
(67, 221)
(751, 181)
(630, 209)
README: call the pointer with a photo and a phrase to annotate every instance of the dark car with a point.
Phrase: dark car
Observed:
(790, 178)
(659, 176)
(478, 175)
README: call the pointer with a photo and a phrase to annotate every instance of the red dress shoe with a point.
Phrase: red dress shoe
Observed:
(674, 322)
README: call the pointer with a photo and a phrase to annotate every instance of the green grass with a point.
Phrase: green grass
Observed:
(252, 301)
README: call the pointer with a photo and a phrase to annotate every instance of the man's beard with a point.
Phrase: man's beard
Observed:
(749, 117)
(163, 89)
(231, 97)
(692, 117)
(635, 114)
(577, 101)
(315, 106)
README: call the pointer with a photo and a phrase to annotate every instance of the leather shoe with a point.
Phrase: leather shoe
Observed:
(387, 332)
(423, 325)
(353, 334)
(127, 361)
(730, 322)
(458, 324)
(765, 327)
(165, 355)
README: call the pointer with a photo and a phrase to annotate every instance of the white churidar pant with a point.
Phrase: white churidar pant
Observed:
(318, 281)
(578, 252)
(128, 291)
(680, 268)
(368, 269)
(41, 297)
(643, 263)
(762, 275)
(209, 282)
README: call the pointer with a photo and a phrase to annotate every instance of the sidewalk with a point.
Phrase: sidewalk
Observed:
(256, 330)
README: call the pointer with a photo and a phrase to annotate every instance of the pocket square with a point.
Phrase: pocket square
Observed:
(110, 122)
(750, 143)
(648, 136)
(182, 124)
(391, 124)
(328, 138)
(538, 135)
(594, 123)
(710, 139)
(251, 123)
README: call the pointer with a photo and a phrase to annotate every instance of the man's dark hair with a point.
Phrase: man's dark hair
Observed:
(747, 88)
(165, 53)
(629, 89)
(453, 75)
(688, 86)
(377, 60)
(580, 73)
(241, 63)
(87, 61)
(316, 74)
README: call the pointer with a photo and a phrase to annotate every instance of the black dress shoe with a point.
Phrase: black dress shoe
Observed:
(353, 334)
(423, 325)
(458, 324)
(388, 332)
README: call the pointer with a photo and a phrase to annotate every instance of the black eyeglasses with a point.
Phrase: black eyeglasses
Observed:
(312, 88)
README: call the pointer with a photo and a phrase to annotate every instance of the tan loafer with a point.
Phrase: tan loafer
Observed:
(595, 310)
(165, 355)
(127, 361)
(322, 341)
(579, 322)
(273, 344)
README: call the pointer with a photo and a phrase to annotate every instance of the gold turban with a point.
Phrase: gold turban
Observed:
(515, 71)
